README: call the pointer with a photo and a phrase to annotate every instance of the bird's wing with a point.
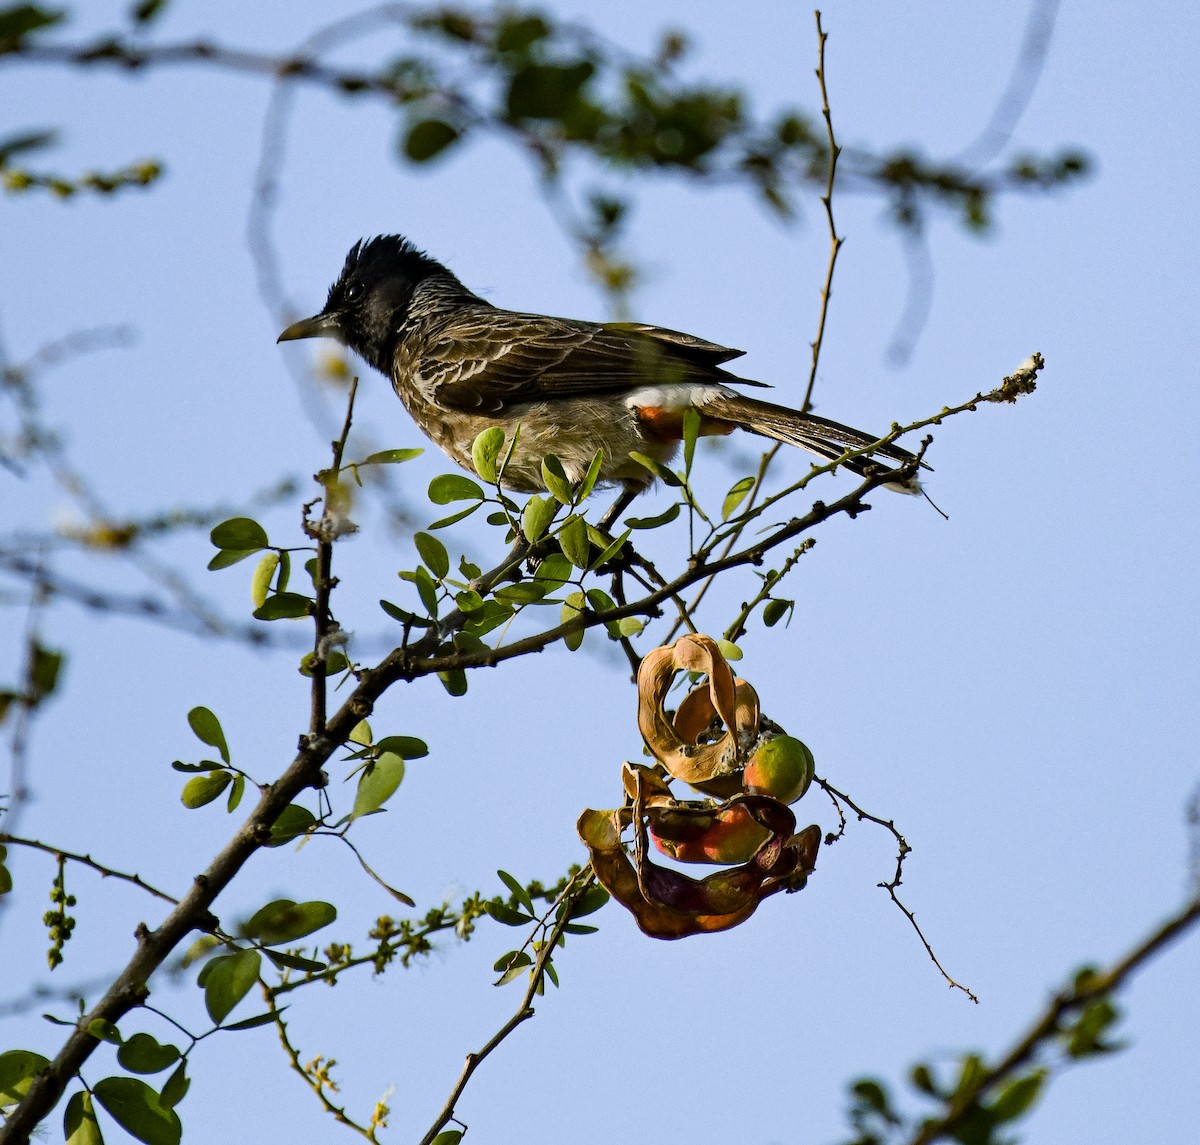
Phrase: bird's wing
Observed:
(487, 359)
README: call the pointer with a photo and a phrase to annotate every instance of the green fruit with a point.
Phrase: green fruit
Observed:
(782, 767)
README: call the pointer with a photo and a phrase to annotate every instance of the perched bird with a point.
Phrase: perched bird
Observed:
(460, 364)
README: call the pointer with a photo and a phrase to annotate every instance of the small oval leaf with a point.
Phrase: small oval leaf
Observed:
(448, 487)
(227, 981)
(208, 730)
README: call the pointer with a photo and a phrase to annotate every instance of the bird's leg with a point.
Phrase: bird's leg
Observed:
(619, 506)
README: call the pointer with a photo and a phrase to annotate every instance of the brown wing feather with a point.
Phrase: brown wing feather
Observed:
(488, 359)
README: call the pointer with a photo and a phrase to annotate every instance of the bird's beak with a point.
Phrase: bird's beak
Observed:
(318, 326)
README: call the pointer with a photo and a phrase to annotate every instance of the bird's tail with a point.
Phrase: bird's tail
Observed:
(825, 438)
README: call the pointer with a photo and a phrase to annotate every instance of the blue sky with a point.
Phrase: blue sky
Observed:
(1015, 687)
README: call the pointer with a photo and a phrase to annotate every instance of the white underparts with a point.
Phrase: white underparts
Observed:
(686, 395)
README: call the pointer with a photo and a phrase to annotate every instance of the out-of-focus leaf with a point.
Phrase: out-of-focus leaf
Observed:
(284, 921)
(428, 138)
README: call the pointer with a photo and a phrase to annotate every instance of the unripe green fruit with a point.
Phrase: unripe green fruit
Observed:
(782, 767)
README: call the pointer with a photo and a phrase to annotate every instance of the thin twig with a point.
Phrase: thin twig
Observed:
(827, 203)
(903, 850)
(524, 1010)
(87, 861)
(325, 532)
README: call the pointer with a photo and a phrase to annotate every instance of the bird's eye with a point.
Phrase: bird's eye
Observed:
(355, 291)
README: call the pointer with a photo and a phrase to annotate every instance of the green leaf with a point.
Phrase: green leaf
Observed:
(143, 1053)
(136, 1108)
(448, 1137)
(922, 1078)
(377, 783)
(554, 477)
(517, 32)
(236, 791)
(334, 663)
(17, 1066)
(429, 138)
(242, 534)
(285, 571)
(285, 921)
(79, 1121)
(391, 456)
(454, 518)
(547, 91)
(284, 606)
(485, 453)
(426, 590)
(454, 681)
(202, 789)
(260, 581)
(1019, 1096)
(293, 821)
(176, 1088)
(589, 902)
(517, 890)
(146, 10)
(6, 882)
(43, 672)
(574, 542)
(20, 20)
(284, 960)
(227, 557)
(404, 616)
(227, 980)
(611, 550)
(433, 553)
(523, 592)
(571, 609)
(736, 496)
(775, 610)
(490, 614)
(664, 518)
(729, 650)
(535, 520)
(207, 729)
(665, 475)
(105, 1030)
(407, 747)
(501, 912)
(555, 570)
(591, 476)
(263, 1019)
(448, 487)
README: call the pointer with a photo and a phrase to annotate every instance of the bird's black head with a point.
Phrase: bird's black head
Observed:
(369, 302)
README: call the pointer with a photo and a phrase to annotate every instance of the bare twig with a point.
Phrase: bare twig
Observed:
(903, 850)
(87, 861)
(827, 202)
(325, 532)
